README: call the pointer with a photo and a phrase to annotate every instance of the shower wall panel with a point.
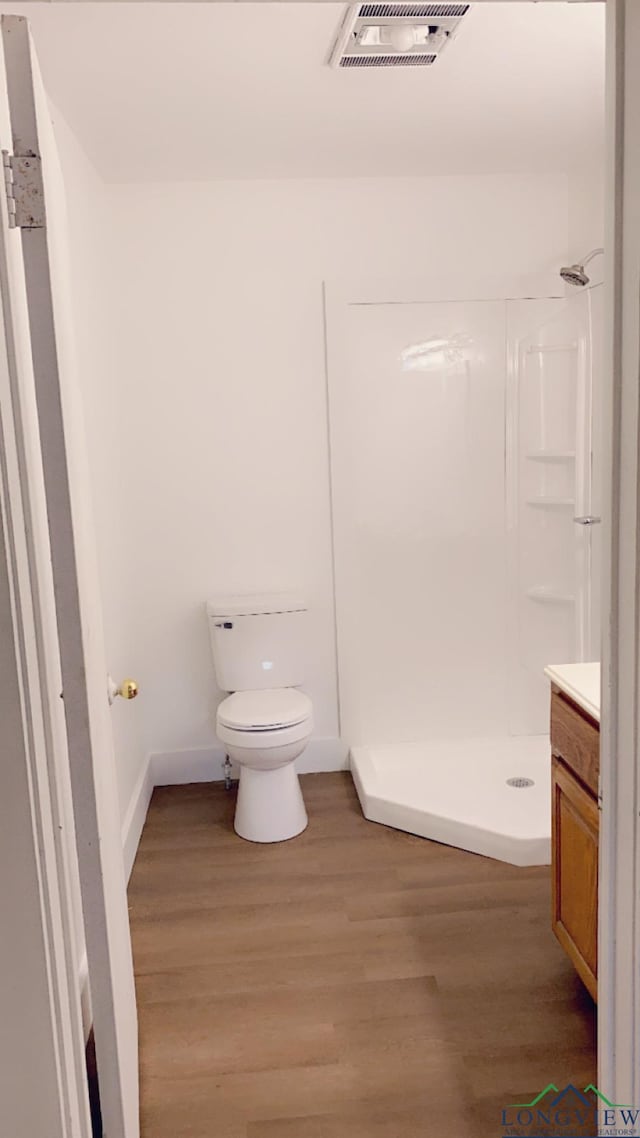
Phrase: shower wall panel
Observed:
(461, 452)
(417, 416)
(549, 486)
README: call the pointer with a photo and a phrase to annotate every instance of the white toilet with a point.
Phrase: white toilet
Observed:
(258, 644)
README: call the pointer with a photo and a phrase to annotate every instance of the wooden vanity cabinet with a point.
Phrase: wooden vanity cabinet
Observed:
(575, 745)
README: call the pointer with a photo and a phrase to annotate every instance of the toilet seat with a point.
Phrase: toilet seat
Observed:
(264, 711)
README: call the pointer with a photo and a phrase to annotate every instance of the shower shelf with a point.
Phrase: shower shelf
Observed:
(550, 596)
(551, 455)
(552, 503)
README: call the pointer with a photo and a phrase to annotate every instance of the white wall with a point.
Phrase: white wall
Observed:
(213, 436)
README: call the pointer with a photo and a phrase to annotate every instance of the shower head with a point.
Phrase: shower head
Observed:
(575, 274)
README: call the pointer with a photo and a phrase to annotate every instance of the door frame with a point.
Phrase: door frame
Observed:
(45, 1046)
(619, 904)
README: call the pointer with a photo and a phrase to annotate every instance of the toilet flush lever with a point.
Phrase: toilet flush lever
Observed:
(128, 689)
(588, 520)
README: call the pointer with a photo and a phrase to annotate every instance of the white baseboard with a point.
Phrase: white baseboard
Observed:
(134, 818)
(172, 768)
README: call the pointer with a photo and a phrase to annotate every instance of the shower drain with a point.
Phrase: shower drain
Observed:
(520, 782)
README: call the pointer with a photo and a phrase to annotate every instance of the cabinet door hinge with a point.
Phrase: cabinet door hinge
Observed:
(24, 189)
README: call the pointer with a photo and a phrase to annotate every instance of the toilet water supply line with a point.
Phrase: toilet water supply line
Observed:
(226, 766)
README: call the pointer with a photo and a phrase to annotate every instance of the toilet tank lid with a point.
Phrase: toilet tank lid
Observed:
(255, 604)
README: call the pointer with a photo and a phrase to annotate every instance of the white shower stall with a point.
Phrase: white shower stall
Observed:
(463, 468)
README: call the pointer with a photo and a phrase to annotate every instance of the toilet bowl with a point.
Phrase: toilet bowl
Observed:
(264, 731)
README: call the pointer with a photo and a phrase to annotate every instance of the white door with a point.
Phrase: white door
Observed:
(37, 321)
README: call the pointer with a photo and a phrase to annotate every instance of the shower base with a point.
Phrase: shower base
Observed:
(456, 791)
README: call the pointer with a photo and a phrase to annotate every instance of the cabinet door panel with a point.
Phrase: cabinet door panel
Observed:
(575, 739)
(575, 873)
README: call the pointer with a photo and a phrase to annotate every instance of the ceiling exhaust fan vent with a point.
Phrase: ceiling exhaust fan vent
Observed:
(414, 60)
(430, 11)
(395, 34)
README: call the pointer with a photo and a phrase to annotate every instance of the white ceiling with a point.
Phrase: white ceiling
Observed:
(199, 91)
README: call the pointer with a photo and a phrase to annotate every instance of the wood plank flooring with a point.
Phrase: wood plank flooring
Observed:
(356, 982)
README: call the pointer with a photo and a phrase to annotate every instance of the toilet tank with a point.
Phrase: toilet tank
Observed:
(258, 641)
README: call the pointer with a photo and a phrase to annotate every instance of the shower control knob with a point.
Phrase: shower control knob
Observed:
(588, 520)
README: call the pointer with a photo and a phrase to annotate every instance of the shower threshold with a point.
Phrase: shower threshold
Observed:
(458, 791)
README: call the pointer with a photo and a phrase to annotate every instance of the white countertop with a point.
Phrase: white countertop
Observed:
(581, 682)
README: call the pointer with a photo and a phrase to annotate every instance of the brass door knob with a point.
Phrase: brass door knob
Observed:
(128, 689)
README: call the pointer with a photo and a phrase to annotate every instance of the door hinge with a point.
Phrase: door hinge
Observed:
(25, 192)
